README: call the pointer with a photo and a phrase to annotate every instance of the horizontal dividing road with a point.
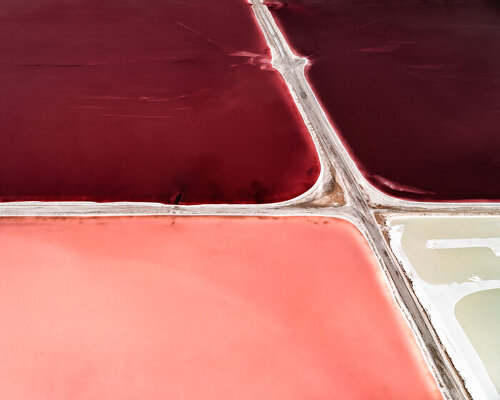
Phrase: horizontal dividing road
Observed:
(362, 203)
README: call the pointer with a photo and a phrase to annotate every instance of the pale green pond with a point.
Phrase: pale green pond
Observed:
(447, 265)
(479, 315)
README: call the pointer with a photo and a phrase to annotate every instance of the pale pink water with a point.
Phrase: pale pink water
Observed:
(199, 308)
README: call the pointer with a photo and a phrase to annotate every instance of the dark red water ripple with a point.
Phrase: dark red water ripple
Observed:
(144, 100)
(413, 87)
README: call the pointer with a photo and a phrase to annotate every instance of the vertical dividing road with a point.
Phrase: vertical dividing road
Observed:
(292, 69)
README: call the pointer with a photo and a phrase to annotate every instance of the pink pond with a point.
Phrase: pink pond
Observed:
(199, 307)
(413, 87)
(144, 100)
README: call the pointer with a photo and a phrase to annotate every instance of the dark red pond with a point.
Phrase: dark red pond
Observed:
(412, 86)
(144, 100)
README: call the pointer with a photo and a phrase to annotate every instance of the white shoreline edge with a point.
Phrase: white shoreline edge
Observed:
(439, 302)
(299, 206)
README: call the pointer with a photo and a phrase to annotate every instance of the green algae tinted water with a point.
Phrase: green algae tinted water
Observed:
(448, 265)
(479, 316)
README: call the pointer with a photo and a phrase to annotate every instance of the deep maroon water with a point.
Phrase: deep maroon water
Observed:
(143, 100)
(412, 86)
